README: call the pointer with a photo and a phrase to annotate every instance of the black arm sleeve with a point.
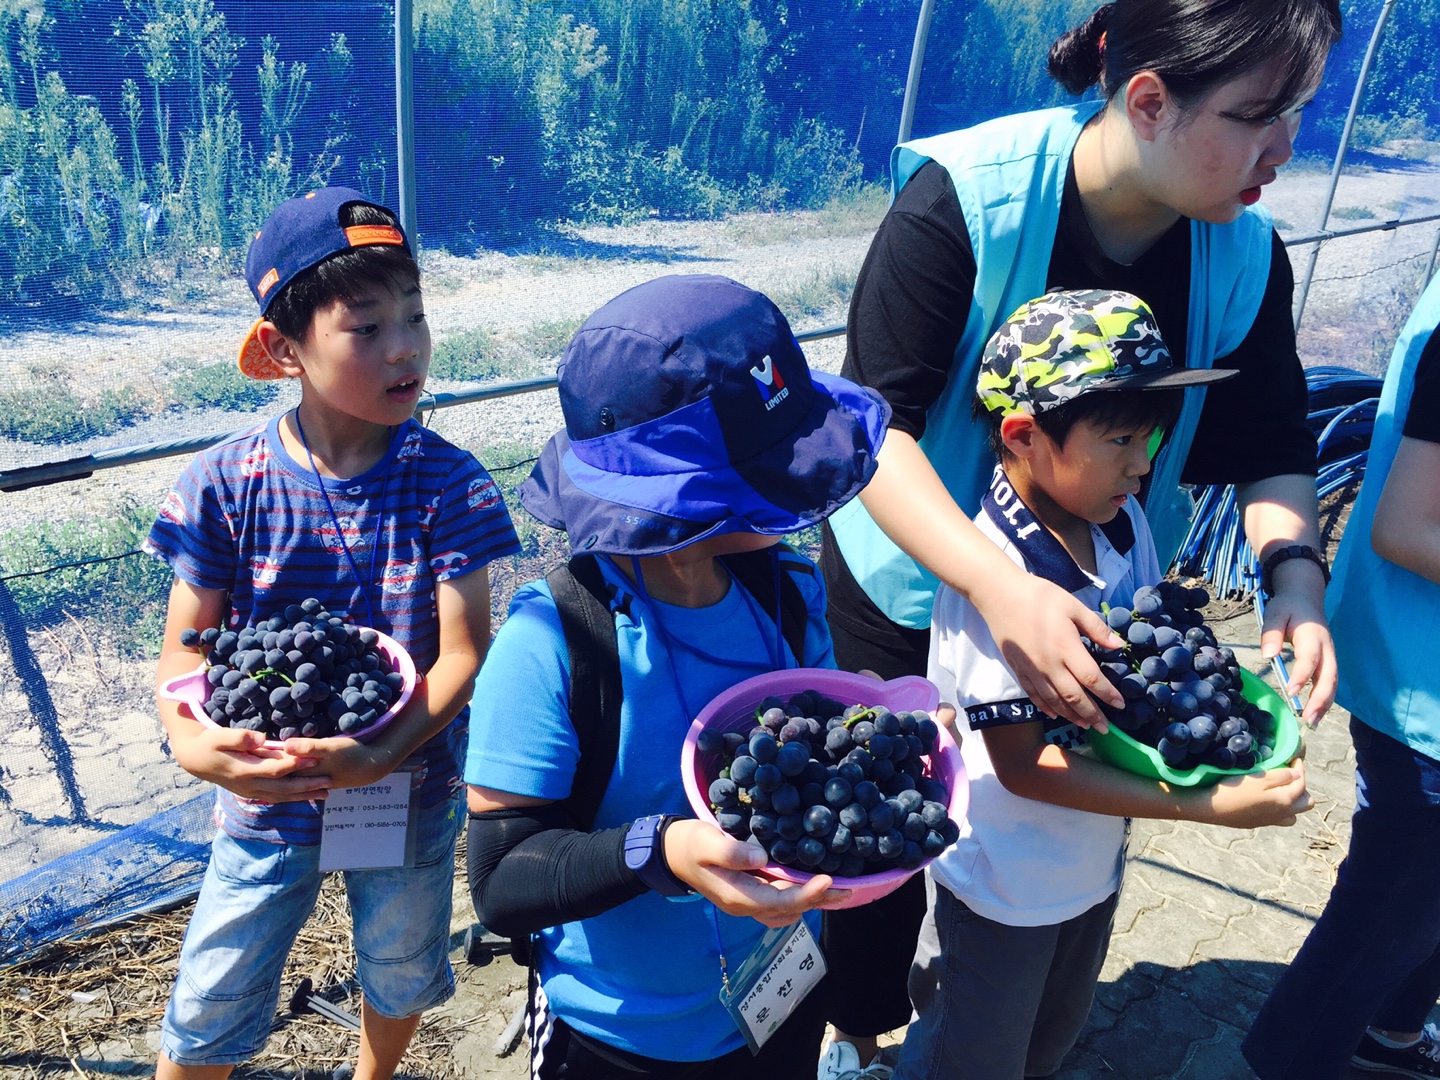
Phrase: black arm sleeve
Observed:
(1253, 426)
(912, 299)
(1422, 416)
(529, 869)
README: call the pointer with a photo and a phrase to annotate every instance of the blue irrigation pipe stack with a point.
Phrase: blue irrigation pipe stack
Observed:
(1342, 415)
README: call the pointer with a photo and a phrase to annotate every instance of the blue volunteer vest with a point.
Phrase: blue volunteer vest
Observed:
(1009, 174)
(1386, 619)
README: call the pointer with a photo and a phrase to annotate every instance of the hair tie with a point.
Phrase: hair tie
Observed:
(1101, 45)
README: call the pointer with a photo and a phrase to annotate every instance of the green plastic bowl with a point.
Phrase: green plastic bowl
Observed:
(1124, 752)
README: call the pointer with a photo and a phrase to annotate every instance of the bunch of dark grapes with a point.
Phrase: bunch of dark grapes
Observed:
(304, 672)
(846, 797)
(1181, 688)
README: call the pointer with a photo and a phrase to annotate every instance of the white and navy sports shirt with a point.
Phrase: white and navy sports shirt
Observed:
(1019, 861)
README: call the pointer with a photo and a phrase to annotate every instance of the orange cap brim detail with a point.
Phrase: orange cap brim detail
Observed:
(255, 362)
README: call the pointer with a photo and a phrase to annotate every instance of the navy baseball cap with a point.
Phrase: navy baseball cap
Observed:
(691, 412)
(301, 233)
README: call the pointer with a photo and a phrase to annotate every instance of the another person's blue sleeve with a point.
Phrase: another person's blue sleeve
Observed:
(521, 740)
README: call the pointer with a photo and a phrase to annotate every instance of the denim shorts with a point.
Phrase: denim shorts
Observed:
(255, 898)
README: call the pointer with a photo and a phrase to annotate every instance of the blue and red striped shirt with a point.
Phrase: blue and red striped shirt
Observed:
(248, 518)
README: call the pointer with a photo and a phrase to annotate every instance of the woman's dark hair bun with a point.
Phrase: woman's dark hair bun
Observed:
(1076, 60)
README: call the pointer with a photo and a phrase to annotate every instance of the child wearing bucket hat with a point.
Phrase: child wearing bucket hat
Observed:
(695, 436)
(347, 500)
(1073, 386)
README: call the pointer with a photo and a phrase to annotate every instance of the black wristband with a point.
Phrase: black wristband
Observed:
(1285, 554)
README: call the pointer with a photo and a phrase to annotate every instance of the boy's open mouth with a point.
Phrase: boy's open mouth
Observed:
(404, 389)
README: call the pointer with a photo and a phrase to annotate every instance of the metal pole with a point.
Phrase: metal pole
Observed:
(1370, 52)
(54, 472)
(1357, 230)
(405, 113)
(1430, 267)
(917, 61)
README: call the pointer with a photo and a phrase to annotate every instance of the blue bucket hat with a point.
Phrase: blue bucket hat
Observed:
(690, 412)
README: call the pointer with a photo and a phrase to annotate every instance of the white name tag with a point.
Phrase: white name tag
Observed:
(773, 981)
(365, 827)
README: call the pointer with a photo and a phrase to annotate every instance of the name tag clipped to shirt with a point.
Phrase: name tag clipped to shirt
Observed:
(367, 828)
(776, 977)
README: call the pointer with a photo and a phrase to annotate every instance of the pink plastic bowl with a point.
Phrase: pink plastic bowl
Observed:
(734, 710)
(193, 690)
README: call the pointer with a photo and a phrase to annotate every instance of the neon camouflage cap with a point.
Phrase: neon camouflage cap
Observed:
(1067, 343)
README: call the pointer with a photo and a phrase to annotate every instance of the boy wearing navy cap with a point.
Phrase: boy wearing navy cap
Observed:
(346, 499)
(1073, 386)
(695, 434)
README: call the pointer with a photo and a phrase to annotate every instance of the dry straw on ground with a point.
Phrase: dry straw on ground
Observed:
(91, 1006)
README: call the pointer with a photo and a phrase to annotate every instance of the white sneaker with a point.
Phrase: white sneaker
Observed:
(841, 1061)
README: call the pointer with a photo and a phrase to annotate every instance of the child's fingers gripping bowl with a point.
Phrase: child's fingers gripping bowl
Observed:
(194, 689)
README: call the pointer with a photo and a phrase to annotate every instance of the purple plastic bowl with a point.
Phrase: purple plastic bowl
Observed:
(193, 691)
(734, 710)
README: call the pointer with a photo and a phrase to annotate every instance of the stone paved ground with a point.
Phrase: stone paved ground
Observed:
(1209, 917)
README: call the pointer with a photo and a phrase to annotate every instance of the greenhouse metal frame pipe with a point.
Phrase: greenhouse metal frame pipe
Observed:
(1333, 234)
(917, 62)
(1345, 135)
(80, 468)
(405, 116)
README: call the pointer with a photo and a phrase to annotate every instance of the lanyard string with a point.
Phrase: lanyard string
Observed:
(667, 644)
(720, 949)
(364, 583)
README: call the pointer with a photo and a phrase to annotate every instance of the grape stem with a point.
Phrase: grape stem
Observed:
(868, 714)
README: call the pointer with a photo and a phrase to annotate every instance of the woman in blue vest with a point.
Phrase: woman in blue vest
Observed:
(1152, 189)
(1364, 982)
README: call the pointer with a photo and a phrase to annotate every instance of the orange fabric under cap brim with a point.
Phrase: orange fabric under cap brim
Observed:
(255, 362)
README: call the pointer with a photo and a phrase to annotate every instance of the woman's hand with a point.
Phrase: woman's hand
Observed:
(1037, 626)
(1280, 511)
(1296, 613)
(724, 871)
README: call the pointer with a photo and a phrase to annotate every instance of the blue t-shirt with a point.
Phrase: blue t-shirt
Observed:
(644, 976)
(248, 518)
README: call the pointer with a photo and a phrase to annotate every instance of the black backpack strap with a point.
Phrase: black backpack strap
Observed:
(582, 599)
(755, 571)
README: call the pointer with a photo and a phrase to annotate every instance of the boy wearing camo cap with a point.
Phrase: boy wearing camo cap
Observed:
(1077, 389)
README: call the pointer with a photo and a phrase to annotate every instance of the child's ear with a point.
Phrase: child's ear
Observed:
(278, 347)
(1018, 433)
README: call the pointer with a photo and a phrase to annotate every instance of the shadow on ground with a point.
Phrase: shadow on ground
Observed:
(1158, 1022)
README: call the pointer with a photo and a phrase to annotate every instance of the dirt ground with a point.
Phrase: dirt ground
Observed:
(92, 1007)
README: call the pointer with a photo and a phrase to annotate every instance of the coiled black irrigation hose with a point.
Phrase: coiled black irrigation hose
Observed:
(1342, 415)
